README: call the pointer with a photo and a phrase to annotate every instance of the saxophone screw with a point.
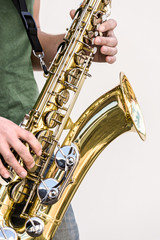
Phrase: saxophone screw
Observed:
(70, 161)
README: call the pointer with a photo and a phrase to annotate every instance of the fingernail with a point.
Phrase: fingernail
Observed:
(101, 29)
(98, 41)
(6, 175)
(40, 152)
(104, 50)
(32, 165)
(23, 174)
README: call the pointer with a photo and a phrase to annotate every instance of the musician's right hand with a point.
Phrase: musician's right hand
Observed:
(11, 137)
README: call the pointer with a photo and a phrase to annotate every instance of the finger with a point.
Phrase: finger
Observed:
(31, 140)
(107, 41)
(3, 171)
(109, 51)
(72, 13)
(110, 59)
(23, 152)
(110, 33)
(108, 25)
(12, 161)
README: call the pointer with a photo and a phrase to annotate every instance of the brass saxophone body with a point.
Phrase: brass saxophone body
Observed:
(33, 208)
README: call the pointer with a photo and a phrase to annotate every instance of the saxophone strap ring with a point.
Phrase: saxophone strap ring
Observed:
(31, 29)
(40, 56)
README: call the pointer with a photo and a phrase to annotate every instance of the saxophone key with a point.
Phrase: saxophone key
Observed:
(53, 93)
(68, 85)
(88, 40)
(25, 194)
(71, 86)
(60, 107)
(61, 48)
(94, 50)
(19, 190)
(48, 191)
(53, 118)
(34, 227)
(7, 233)
(6, 181)
(45, 154)
(66, 156)
(85, 44)
(80, 57)
(88, 74)
(51, 143)
(78, 13)
(63, 97)
(25, 121)
(73, 75)
(43, 135)
(36, 113)
(97, 18)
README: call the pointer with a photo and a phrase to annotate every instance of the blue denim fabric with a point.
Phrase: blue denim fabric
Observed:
(68, 230)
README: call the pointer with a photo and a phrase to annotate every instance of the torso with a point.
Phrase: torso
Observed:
(18, 89)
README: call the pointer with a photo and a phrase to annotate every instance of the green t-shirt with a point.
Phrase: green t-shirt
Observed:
(18, 88)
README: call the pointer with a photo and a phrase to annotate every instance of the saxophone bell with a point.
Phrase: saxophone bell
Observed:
(132, 106)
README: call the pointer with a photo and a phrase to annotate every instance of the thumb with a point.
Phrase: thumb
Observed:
(72, 12)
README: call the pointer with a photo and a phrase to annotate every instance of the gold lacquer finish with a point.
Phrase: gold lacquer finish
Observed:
(113, 114)
(34, 207)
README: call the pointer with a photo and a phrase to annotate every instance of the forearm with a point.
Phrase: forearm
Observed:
(49, 44)
(106, 45)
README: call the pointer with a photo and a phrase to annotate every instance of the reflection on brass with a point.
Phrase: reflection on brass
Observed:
(73, 76)
(24, 202)
(42, 137)
(62, 98)
(16, 190)
(52, 119)
(62, 47)
(80, 58)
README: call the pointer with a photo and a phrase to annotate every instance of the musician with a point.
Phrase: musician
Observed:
(18, 89)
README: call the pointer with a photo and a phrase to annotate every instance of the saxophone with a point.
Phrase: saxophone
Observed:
(33, 208)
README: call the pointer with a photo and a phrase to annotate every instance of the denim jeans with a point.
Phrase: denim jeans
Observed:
(68, 229)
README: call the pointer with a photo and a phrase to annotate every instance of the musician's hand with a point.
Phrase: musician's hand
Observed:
(10, 137)
(107, 44)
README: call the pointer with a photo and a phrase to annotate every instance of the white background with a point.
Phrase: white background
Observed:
(120, 197)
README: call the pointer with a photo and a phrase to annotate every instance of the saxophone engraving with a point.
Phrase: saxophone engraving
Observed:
(33, 208)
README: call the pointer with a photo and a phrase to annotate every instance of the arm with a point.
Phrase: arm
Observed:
(107, 45)
(49, 42)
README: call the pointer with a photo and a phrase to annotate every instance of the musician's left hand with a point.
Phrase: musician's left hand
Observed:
(107, 44)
